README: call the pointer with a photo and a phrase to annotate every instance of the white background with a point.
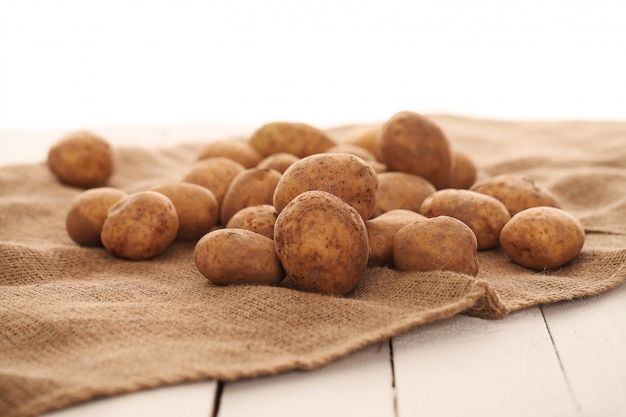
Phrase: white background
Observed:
(71, 64)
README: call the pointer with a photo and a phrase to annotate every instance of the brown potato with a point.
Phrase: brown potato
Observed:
(381, 230)
(542, 238)
(322, 243)
(87, 212)
(279, 161)
(366, 137)
(399, 190)
(239, 150)
(82, 159)
(141, 226)
(411, 143)
(355, 150)
(197, 208)
(236, 257)
(346, 176)
(516, 191)
(215, 174)
(259, 219)
(484, 214)
(440, 243)
(299, 139)
(251, 187)
(463, 173)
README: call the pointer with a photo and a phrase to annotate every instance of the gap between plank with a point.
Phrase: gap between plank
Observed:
(558, 358)
(217, 398)
(393, 379)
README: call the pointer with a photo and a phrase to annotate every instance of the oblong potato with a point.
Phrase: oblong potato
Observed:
(412, 143)
(346, 176)
(399, 190)
(299, 139)
(259, 219)
(484, 214)
(238, 256)
(251, 187)
(322, 243)
(516, 191)
(542, 238)
(381, 230)
(439, 243)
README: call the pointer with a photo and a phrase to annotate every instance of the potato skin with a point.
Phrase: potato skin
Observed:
(238, 256)
(381, 230)
(251, 187)
(239, 150)
(484, 214)
(439, 243)
(214, 173)
(279, 161)
(259, 219)
(299, 139)
(517, 192)
(346, 176)
(399, 190)
(542, 238)
(87, 213)
(197, 208)
(322, 243)
(410, 142)
(463, 172)
(81, 159)
(141, 226)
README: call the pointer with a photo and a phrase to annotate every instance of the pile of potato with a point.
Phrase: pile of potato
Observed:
(292, 206)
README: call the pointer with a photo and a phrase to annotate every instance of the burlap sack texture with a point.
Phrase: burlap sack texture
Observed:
(77, 323)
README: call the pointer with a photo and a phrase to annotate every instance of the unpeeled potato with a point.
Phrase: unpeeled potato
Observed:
(299, 139)
(278, 161)
(239, 150)
(259, 219)
(382, 229)
(251, 187)
(214, 173)
(399, 190)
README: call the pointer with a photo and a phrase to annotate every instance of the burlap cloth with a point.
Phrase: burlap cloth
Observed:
(77, 323)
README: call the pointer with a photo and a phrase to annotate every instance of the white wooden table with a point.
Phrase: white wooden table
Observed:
(565, 359)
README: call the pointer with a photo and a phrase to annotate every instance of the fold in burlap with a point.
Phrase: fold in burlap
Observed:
(77, 323)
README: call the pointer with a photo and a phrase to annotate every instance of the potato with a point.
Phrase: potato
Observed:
(299, 139)
(366, 137)
(251, 187)
(484, 214)
(141, 226)
(82, 159)
(259, 219)
(87, 212)
(399, 190)
(440, 243)
(197, 208)
(463, 173)
(411, 143)
(355, 150)
(542, 238)
(346, 176)
(239, 150)
(279, 161)
(322, 243)
(215, 174)
(381, 230)
(238, 256)
(516, 191)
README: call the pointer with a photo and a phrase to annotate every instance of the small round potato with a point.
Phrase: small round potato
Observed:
(346, 176)
(238, 256)
(82, 159)
(464, 171)
(215, 174)
(259, 219)
(516, 191)
(141, 226)
(440, 243)
(322, 243)
(411, 143)
(381, 230)
(279, 161)
(197, 208)
(542, 237)
(484, 214)
(239, 150)
(299, 139)
(87, 214)
(399, 190)
(251, 187)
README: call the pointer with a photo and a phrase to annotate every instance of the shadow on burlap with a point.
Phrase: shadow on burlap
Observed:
(78, 323)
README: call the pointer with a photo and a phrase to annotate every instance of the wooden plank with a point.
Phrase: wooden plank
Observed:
(195, 399)
(590, 338)
(357, 385)
(475, 367)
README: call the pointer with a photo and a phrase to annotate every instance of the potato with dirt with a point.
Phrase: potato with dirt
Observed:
(399, 190)
(214, 173)
(251, 187)
(239, 150)
(299, 139)
(382, 229)
(259, 219)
